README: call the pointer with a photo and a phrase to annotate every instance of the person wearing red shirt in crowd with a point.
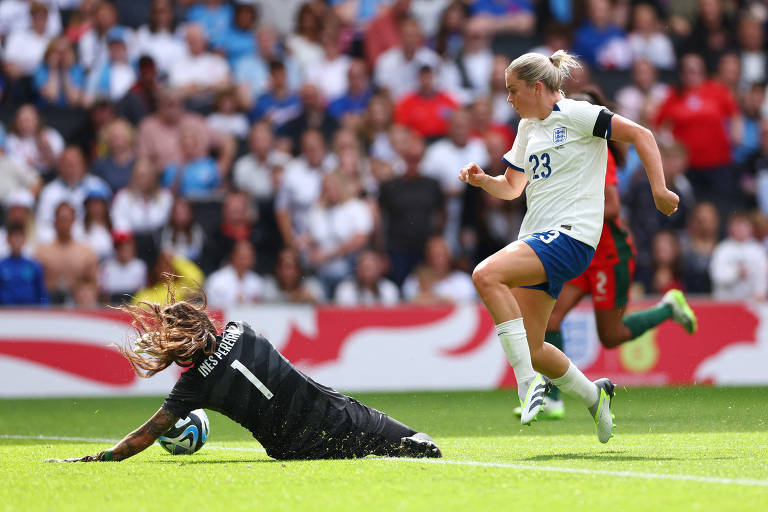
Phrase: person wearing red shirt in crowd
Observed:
(698, 113)
(607, 279)
(427, 110)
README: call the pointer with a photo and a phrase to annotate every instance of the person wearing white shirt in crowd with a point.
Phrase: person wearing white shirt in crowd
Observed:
(300, 189)
(15, 175)
(115, 76)
(330, 72)
(303, 41)
(25, 47)
(451, 285)
(739, 265)
(200, 72)
(97, 226)
(235, 283)
(32, 143)
(92, 45)
(123, 274)
(503, 113)
(640, 99)
(288, 284)
(143, 206)
(447, 154)
(369, 287)
(469, 75)
(71, 186)
(647, 40)
(339, 226)
(15, 15)
(183, 235)
(226, 118)
(754, 66)
(397, 69)
(158, 37)
(252, 172)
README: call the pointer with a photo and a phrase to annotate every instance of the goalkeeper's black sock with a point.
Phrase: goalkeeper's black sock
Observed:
(554, 338)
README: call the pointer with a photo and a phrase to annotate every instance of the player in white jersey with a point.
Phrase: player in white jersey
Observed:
(560, 154)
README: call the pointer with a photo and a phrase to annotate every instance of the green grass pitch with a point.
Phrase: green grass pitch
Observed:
(693, 448)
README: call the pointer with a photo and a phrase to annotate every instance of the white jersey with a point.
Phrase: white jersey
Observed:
(564, 157)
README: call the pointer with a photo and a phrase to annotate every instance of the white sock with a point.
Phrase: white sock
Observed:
(515, 344)
(575, 383)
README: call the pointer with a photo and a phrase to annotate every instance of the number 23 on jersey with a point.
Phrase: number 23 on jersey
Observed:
(542, 161)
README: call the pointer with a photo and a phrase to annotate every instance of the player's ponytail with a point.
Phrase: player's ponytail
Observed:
(551, 71)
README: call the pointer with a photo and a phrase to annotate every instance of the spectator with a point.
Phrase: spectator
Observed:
(383, 32)
(214, 17)
(482, 122)
(115, 168)
(277, 105)
(66, 262)
(195, 175)
(93, 44)
(468, 74)
(18, 210)
(369, 287)
(227, 118)
(143, 207)
(72, 185)
(412, 210)
(16, 15)
(441, 161)
(698, 244)
(450, 285)
(115, 76)
(514, 17)
(157, 39)
(60, 80)
(252, 172)
(728, 73)
(739, 266)
(754, 67)
(252, 72)
(639, 100)
(426, 278)
(289, 284)
(159, 139)
(647, 40)
(339, 226)
(376, 127)
(32, 143)
(21, 278)
(329, 72)
(142, 97)
(123, 274)
(755, 172)
(236, 42)
(97, 226)
(313, 116)
(15, 175)
(667, 263)
(426, 111)
(697, 113)
(236, 283)
(200, 74)
(503, 112)
(170, 271)
(713, 32)
(81, 20)
(304, 42)
(450, 35)
(599, 41)
(238, 218)
(25, 48)
(751, 103)
(355, 99)
(86, 295)
(398, 69)
(300, 189)
(182, 235)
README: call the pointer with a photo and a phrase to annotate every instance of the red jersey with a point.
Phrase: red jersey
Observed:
(614, 245)
(426, 115)
(698, 118)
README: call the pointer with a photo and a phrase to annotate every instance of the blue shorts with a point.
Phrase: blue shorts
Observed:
(564, 258)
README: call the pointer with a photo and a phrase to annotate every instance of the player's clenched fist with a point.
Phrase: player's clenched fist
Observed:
(472, 174)
(666, 201)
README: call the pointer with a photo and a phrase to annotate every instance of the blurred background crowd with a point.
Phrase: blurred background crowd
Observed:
(308, 151)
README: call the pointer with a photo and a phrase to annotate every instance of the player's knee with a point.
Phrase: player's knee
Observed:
(483, 278)
(610, 339)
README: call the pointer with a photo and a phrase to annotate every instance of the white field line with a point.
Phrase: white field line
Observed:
(526, 467)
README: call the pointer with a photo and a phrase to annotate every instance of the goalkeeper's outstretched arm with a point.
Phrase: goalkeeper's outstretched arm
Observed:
(134, 442)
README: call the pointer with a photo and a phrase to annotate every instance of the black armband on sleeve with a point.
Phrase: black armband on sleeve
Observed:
(602, 127)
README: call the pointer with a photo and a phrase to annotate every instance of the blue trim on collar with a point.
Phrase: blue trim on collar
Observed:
(556, 108)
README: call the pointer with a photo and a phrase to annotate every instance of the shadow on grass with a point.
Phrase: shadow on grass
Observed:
(603, 456)
(177, 462)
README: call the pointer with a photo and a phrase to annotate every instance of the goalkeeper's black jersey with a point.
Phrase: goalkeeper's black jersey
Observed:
(249, 381)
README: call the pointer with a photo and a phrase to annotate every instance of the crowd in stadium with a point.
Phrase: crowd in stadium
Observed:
(308, 151)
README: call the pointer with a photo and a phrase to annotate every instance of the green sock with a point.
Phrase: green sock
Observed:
(555, 339)
(640, 321)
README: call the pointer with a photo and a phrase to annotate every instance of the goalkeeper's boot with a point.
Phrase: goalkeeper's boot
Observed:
(419, 445)
(533, 399)
(681, 311)
(601, 411)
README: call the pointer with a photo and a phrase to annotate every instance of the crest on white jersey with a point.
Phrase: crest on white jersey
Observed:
(559, 135)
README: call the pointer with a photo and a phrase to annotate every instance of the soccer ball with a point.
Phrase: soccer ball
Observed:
(188, 434)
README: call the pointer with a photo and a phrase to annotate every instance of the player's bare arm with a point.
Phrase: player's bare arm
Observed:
(135, 442)
(624, 130)
(509, 186)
